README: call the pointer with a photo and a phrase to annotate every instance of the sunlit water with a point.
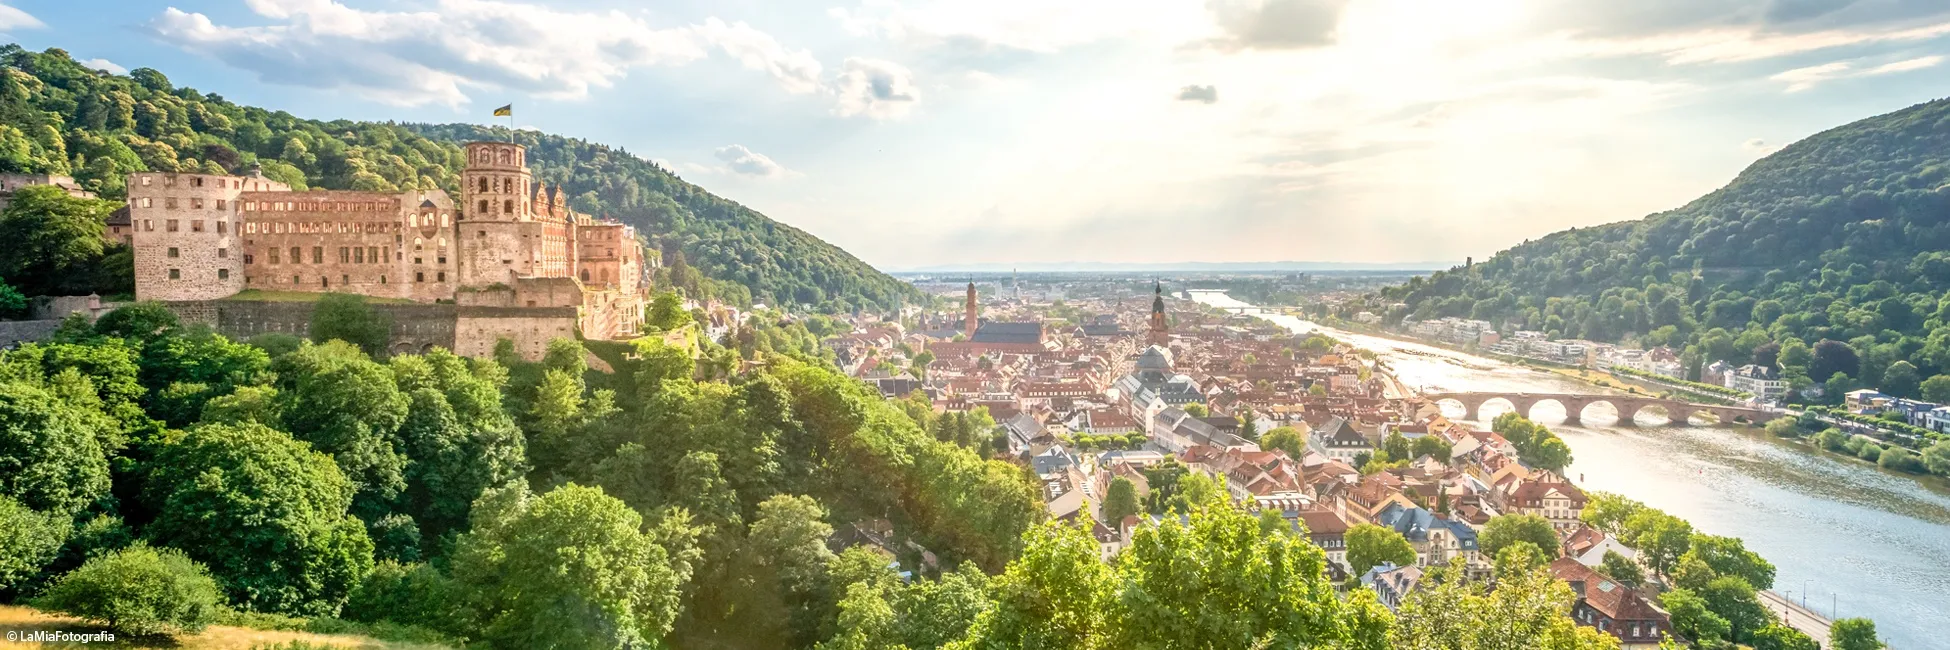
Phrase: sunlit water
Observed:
(1853, 538)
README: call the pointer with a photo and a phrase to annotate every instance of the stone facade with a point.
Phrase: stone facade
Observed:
(509, 248)
(11, 182)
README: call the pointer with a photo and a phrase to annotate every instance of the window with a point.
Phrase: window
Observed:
(419, 277)
(196, 225)
(170, 225)
(484, 209)
(148, 225)
(223, 274)
(324, 282)
(220, 204)
(146, 201)
(358, 255)
(274, 256)
(173, 252)
(372, 253)
(345, 279)
(223, 253)
(196, 203)
(169, 202)
(196, 181)
(418, 260)
(418, 243)
(480, 234)
(249, 259)
(440, 277)
(345, 255)
(175, 274)
(382, 279)
(295, 280)
(297, 255)
(484, 185)
(220, 226)
(318, 254)
(508, 206)
(145, 181)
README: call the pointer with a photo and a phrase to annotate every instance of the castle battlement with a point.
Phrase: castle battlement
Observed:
(200, 237)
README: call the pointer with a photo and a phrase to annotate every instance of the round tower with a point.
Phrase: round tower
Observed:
(495, 185)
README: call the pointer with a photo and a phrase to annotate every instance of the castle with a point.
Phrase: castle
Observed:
(509, 260)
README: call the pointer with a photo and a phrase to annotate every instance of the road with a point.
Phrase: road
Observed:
(1796, 616)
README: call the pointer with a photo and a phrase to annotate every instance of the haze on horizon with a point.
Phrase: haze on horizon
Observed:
(921, 134)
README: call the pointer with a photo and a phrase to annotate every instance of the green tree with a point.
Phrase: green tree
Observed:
(138, 590)
(1623, 569)
(347, 317)
(29, 540)
(1936, 389)
(1781, 637)
(334, 397)
(139, 321)
(1369, 545)
(1053, 596)
(1285, 439)
(572, 568)
(1692, 619)
(1248, 425)
(1660, 538)
(1197, 410)
(1431, 446)
(264, 512)
(52, 241)
(1528, 609)
(666, 312)
(1900, 379)
(1120, 501)
(1736, 601)
(1853, 634)
(1728, 556)
(1507, 529)
(51, 456)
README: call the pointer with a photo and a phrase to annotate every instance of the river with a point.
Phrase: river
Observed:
(1846, 537)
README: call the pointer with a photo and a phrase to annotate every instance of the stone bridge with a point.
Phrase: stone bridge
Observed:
(1677, 412)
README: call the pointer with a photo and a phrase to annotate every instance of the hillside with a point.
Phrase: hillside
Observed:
(57, 116)
(1840, 236)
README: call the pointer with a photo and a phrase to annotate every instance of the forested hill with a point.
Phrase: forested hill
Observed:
(1841, 236)
(57, 116)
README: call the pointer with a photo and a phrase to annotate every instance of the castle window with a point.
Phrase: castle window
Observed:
(382, 279)
(249, 259)
(443, 260)
(417, 260)
(175, 274)
(250, 228)
(484, 207)
(170, 226)
(484, 185)
(169, 202)
(295, 280)
(148, 202)
(318, 254)
(196, 203)
(324, 282)
(148, 225)
(173, 252)
(145, 181)
(443, 220)
(372, 253)
(508, 206)
(585, 275)
(223, 274)
(220, 204)
(274, 256)
(441, 276)
(197, 181)
(420, 277)
(359, 255)
(223, 253)
(220, 226)
(345, 279)
(196, 225)
(345, 255)
(480, 234)
(412, 221)
(297, 255)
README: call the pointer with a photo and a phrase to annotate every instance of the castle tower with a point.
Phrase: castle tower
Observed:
(497, 213)
(970, 320)
(1160, 333)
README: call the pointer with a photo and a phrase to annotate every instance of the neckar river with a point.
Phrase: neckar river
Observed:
(1843, 535)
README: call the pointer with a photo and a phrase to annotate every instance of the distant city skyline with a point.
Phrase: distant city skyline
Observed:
(919, 134)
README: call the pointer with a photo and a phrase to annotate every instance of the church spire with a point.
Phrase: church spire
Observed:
(1160, 333)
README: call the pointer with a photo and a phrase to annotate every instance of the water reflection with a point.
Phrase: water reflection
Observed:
(1855, 538)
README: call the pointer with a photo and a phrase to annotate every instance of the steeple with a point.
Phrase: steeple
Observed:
(1160, 333)
(970, 320)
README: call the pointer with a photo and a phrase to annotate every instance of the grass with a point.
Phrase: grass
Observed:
(216, 637)
(260, 295)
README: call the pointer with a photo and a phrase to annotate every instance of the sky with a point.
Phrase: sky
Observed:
(918, 133)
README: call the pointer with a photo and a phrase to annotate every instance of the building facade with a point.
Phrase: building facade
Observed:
(508, 243)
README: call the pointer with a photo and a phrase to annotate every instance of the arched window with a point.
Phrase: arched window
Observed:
(484, 186)
(585, 275)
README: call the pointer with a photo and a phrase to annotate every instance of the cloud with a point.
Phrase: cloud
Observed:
(12, 18)
(105, 65)
(1800, 79)
(1202, 94)
(749, 163)
(1759, 147)
(438, 56)
(1275, 24)
(874, 88)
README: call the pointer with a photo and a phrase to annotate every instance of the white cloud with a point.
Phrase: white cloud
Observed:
(105, 65)
(740, 160)
(1800, 79)
(1276, 24)
(1025, 25)
(1201, 94)
(874, 88)
(12, 18)
(439, 56)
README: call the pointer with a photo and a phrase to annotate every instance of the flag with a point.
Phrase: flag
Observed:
(505, 111)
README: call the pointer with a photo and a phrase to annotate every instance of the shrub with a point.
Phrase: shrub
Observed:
(138, 590)
(1902, 460)
(1870, 451)
(408, 594)
(28, 541)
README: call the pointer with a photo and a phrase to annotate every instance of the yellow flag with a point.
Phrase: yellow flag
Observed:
(505, 111)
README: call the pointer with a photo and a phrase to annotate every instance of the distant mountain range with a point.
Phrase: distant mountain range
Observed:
(1173, 267)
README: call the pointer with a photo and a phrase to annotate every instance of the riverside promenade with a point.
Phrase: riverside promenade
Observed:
(1797, 617)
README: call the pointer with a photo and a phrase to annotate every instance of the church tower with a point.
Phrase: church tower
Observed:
(970, 320)
(1160, 333)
